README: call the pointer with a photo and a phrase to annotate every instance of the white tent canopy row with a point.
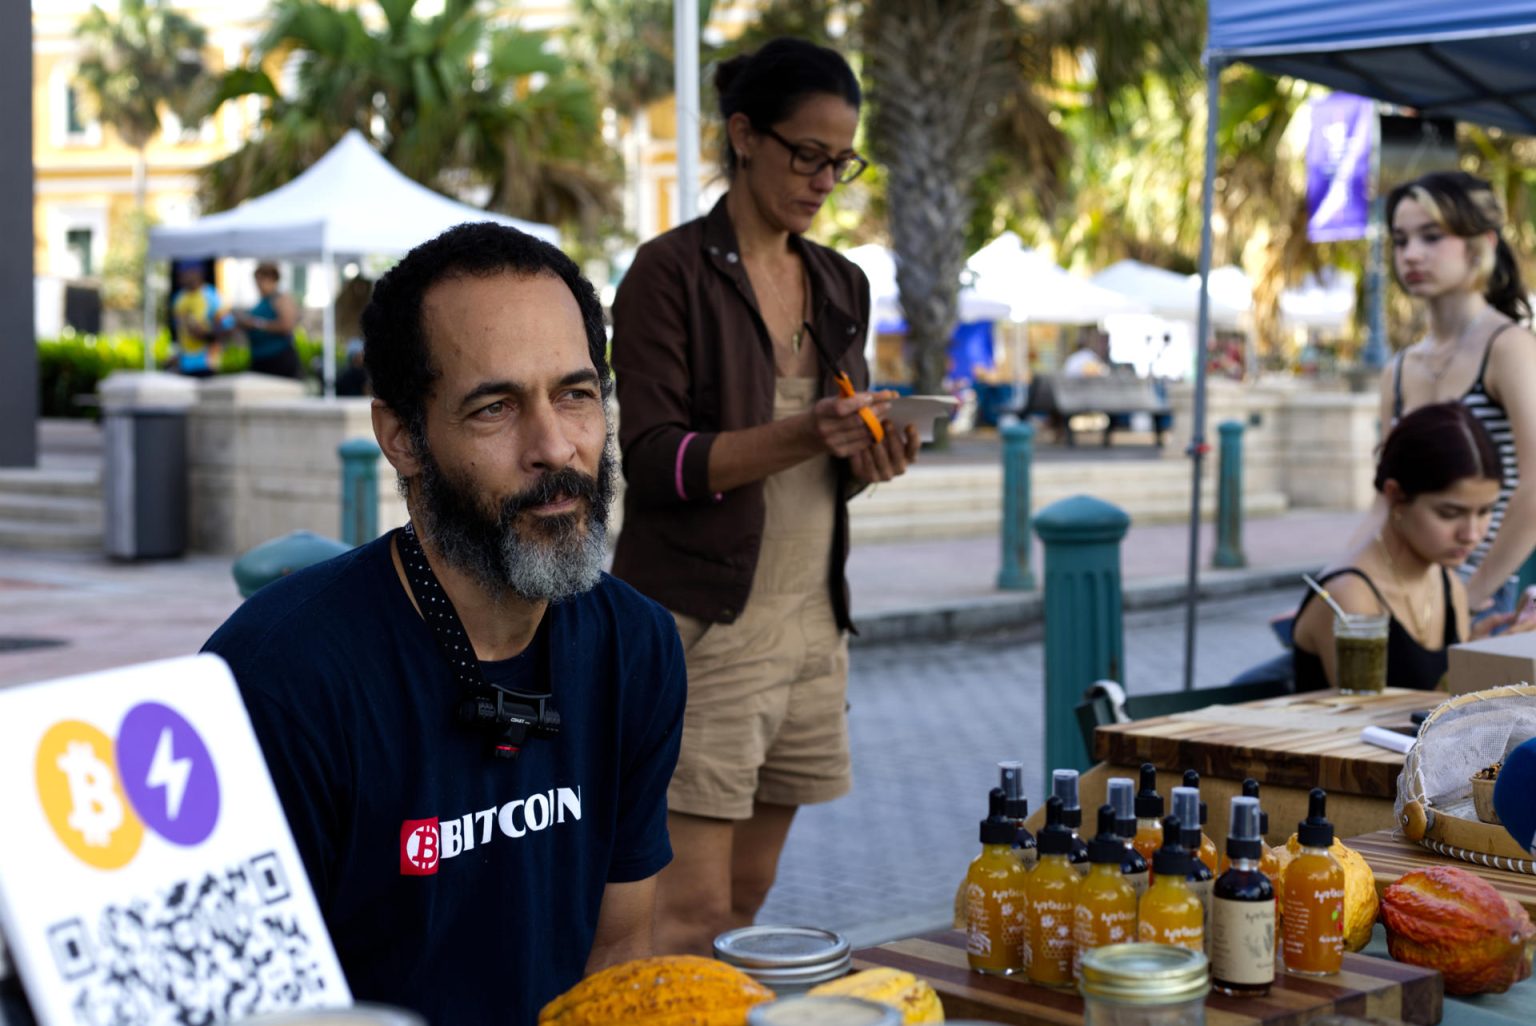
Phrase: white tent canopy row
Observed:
(349, 204)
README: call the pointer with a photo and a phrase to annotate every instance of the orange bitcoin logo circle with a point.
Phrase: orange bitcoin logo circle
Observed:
(83, 797)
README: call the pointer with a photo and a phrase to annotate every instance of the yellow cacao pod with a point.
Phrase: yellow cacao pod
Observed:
(908, 994)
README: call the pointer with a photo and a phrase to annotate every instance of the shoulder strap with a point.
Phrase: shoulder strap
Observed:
(1397, 392)
(1451, 632)
(1488, 350)
(1364, 577)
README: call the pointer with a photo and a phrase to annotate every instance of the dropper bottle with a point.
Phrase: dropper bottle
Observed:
(995, 897)
(1208, 853)
(1186, 806)
(1169, 912)
(1269, 863)
(1122, 793)
(1106, 901)
(1016, 808)
(1149, 816)
(1053, 886)
(1064, 786)
(1313, 926)
(1243, 910)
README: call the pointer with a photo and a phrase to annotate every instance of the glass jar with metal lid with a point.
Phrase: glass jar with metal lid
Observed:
(787, 959)
(823, 1011)
(1144, 985)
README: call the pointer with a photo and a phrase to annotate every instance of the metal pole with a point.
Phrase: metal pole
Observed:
(1374, 356)
(1018, 451)
(1229, 497)
(1197, 446)
(18, 228)
(149, 319)
(685, 48)
(328, 319)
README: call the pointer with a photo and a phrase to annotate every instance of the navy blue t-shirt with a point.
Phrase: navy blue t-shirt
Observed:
(464, 887)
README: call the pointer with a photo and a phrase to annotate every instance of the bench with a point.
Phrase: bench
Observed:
(1116, 395)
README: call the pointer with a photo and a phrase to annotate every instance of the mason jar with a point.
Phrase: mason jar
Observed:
(1144, 985)
(823, 1011)
(788, 960)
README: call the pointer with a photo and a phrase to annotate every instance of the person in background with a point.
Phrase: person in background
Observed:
(1439, 477)
(729, 333)
(353, 379)
(1448, 251)
(1091, 358)
(269, 326)
(200, 322)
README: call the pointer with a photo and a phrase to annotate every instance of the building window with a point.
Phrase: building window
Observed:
(78, 242)
(74, 120)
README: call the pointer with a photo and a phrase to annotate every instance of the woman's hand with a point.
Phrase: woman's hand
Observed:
(888, 459)
(838, 426)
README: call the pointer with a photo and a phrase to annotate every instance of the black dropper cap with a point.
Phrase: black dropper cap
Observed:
(997, 828)
(1315, 831)
(1251, 790)
(1172, 859)
(1055, 839)
(1107, 846)
(1192, 779)
(1149, 804)
(1243, 841)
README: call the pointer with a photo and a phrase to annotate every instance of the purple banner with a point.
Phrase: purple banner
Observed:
(1339, 168)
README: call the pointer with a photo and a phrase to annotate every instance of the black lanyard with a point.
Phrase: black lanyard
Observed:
(507, 716)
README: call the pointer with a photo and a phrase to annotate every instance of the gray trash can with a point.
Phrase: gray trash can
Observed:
(144, 466)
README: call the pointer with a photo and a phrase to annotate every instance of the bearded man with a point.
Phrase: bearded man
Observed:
(470, 725)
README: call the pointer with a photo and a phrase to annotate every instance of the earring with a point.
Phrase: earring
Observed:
(744, 161)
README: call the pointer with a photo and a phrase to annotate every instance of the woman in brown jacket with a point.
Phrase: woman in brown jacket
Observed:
(739, 456)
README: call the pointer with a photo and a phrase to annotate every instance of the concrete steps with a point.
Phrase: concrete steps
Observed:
(51, 508)
(959, 501)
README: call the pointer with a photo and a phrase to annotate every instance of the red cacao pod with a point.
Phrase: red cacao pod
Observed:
(1448, 919)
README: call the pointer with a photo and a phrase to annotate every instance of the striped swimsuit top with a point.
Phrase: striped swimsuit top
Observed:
(1496, 422)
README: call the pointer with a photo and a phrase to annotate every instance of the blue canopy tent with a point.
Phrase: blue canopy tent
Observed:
(1471, 61)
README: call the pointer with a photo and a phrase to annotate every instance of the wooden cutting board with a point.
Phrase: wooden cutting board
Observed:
(1370, 987)
(1390, 857)
(1303, 741)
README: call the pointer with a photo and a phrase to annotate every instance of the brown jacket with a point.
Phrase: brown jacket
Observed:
(691, 358)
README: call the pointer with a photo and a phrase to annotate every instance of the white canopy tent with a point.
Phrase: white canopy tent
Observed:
(879, 265)
(1164, 293)
(1323, 303)
(350, 203)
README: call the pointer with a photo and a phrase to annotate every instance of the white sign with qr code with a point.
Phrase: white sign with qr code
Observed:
(148, 876)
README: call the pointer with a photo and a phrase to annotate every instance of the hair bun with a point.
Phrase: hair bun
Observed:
(728, 71)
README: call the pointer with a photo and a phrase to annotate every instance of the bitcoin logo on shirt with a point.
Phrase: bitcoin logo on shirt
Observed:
(83, 798)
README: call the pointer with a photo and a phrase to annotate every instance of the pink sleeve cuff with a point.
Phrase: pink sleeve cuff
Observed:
(682, 447)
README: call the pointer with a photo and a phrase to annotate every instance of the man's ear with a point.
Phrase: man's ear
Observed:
(394, 439)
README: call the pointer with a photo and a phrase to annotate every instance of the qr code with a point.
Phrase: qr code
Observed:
(204, 951)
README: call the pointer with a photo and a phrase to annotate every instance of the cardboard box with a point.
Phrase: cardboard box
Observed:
(1492, 663)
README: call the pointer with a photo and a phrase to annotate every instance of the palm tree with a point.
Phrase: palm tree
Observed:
(455, 101)
(149, 58)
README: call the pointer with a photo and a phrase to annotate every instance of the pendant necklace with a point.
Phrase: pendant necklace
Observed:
(1418, 624)
(1456, 347)
(798, 336)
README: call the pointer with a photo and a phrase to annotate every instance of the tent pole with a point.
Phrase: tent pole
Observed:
(1197, 446)
(1374, 356)
(149, 319)
(328, 339)
(685, 48)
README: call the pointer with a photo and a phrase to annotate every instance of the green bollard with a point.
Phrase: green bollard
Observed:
(280, 557)
(1018, 452)
(1084, 639)
(1229, 498)
(359, 490)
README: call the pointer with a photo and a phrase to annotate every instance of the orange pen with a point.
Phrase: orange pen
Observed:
(845, 387)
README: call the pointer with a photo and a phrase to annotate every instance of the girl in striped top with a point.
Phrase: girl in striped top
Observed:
(1448, 250)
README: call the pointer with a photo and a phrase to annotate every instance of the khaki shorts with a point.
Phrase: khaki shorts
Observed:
(767, 716)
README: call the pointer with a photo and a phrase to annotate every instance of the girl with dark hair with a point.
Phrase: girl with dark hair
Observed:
(732, 338)
(1449, 251)
(1439, 477)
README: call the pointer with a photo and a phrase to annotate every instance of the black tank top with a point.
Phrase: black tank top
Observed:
(1409, 664)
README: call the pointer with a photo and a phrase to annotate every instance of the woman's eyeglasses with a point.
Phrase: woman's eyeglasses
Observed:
(808, 161)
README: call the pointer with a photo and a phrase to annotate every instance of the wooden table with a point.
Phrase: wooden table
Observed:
(1390, 857)
(1368, 987)
(1288, 744)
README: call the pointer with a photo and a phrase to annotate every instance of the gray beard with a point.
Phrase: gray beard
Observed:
(505, 551)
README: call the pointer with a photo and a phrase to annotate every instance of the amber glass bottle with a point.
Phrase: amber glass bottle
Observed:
(1106, 901)
(1208, 853)
(1064, 786)
(1186, 806)
(1170, 913)
(1149, 818)
(1242, 938)
(1053, 885)
(1133, 865)
(1313, 927)
(995, 898)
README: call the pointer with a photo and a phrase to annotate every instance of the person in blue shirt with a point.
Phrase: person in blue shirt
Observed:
(470, 725)
(200, 321)
(269, 326)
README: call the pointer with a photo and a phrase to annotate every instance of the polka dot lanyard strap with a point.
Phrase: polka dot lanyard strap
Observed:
(508, 716)
(439, 613)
